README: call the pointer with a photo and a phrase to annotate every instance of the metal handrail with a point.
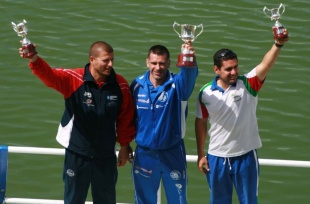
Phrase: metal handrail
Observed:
(61, 151)
(189, 158)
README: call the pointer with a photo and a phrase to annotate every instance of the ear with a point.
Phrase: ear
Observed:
(147, 62)
(216, 69)
(91, 58)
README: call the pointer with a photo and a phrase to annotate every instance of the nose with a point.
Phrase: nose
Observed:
(234, 71)
(110, 63)
(158, 66)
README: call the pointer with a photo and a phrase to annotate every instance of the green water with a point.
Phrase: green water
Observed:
(63, 31)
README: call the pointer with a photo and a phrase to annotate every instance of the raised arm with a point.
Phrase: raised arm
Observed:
(188, 76)
(270, 57)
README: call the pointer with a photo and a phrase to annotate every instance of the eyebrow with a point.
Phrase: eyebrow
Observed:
(227, 68)
(157, 62)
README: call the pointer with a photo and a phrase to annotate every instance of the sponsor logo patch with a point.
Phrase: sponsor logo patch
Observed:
(87, 94)
(163, 96)
(175, 175)
(112, 98)
(70, 172)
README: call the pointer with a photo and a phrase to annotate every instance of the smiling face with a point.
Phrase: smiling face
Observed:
(158, 62)
(101, 58)
(228, 73)
(226, 67)
(101, 65)
(158, 66)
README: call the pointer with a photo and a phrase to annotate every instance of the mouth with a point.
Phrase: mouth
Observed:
(157, 74)
(233, 78)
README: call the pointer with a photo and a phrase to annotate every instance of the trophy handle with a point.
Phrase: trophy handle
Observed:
(14, 27)
(268, 12)
(176, 24)
(265, 10)
(199, 26)
(281, 6)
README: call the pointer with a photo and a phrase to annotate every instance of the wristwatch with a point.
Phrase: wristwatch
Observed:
(278, 45)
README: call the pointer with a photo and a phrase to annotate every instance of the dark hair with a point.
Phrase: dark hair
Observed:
(222, 55)
(99, 46)
(159, 50)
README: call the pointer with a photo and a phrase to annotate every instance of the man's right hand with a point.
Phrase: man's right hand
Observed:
(31, 58)
(203, 165)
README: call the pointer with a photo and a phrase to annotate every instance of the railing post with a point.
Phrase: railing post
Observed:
(3, 171)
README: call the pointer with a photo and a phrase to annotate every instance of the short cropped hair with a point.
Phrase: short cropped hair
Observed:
(222, 55)
(99, 46)
(159, 50)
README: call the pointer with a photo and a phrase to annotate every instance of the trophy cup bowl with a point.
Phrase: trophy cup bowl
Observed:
(187, 34)
(21, 30)
(275, 14)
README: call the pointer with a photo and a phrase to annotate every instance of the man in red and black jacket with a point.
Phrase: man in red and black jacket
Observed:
(98, 112)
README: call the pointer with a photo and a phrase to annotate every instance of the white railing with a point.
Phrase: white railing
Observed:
(189, 158)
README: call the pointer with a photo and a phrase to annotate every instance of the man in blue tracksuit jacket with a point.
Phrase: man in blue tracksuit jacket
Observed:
(160, 99)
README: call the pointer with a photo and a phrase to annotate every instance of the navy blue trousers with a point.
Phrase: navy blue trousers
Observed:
(80, 172)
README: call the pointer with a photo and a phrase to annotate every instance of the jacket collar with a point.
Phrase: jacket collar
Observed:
(216, 87)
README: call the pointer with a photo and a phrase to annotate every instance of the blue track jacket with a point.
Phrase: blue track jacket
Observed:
(161, 117)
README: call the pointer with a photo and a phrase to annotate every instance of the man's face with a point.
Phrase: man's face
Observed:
(158, 66)
(229, 72)
(102, 65)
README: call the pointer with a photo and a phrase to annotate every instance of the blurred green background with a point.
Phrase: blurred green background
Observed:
(64, 30)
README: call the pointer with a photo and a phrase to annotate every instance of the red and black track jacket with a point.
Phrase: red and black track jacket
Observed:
(94, 117)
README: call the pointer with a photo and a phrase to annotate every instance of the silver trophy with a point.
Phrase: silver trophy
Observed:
(21, 30)
(187, 58)
(275, 14)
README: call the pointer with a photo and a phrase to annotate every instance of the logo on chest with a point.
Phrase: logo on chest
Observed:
(163, 97)
(88, 101)
(236, 97)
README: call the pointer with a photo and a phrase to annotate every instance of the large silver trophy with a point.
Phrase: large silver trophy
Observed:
(275, 14)
(187, 58)
(21, 30)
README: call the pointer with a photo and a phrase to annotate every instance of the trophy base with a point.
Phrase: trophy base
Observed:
(278, 32)
(186, 60)
(29, 50)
